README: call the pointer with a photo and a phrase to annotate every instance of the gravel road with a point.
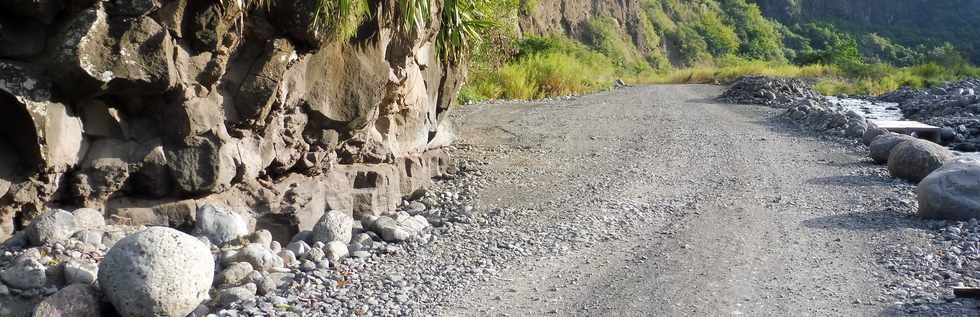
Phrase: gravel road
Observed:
(657, 201)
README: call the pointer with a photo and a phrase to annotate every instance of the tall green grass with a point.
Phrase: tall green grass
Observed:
(545, 67)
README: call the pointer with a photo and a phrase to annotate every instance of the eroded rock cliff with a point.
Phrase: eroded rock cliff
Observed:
(146, 109)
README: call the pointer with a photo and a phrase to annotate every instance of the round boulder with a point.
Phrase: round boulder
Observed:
(157, 272)
(882, 145)
(871, 133)
(52, 226)
(951, 192)
(913, 160)
(335, 225)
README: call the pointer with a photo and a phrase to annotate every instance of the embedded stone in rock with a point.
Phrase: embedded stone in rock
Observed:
(45, 133)
(335, 225)
(258, 91)
(219, 224)
(157, 272)
(135, 58)
(52, 226)
(76, 300)
(103, 172)
(881, 147)
(202, 166)
(913, 160)
(26, 273)
(951, 192)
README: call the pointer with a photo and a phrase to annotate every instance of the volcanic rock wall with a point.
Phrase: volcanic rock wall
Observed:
(147, 108)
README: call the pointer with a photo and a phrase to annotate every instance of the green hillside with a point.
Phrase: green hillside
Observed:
(857, 47)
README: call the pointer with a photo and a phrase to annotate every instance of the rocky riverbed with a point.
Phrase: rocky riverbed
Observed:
(927, 274)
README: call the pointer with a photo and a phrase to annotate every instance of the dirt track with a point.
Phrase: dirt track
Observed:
(664, 202)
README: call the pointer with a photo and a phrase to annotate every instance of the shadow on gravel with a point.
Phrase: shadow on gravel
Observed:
(866, 221)
(850, 180)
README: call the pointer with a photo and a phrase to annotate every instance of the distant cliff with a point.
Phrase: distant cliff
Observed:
(685, 32)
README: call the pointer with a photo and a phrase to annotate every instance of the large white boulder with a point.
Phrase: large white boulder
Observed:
(157, 272)
(335, 225)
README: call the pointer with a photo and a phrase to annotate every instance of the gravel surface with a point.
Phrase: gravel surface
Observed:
(651, 201)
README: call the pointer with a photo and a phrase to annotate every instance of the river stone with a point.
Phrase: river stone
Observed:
(218, 224)
(236, 274)
(882, 145)
(299, 248)
(871, 133)
(53, 226)
(951, 192)
(26, 273)
(913, 160)
(76, 300)
(259, 256)
(157, 272)
(77, 272)
(231, 295)
(336, 250)
(335, 225)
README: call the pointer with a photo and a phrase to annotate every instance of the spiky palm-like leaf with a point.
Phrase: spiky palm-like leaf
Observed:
(412, 10)
(462, 21)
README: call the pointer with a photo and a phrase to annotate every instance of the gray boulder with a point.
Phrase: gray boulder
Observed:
(26, 273)
(218, 224)
(52, 226)
(157, 272)
(73, 301)
(951, 192)
(881, 146)
(914, 160)
(335, 225)
(871, 133)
